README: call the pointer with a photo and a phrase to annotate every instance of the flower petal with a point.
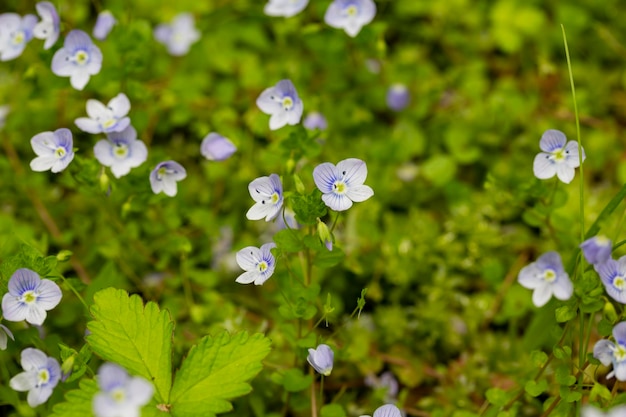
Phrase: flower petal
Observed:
(325, 175)
(563, 288)
(248, 257)
(619, 333)
(39, 395)
(543, 167)
(13, 309)
(603, 351)
(139, 391)
(49, 294)
(572, 158)
(120, 105)
(247, 277)
(79, 79)
(542, 294)
(354, 171)
(23, 280)
(259, 211)
(33, 359)
(337, 202)
(565, 173)
(88, 125)
(360, 193)
(24, 381)
(387, 410)
(552, 140)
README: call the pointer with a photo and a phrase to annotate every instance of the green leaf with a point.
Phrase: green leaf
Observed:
(564, 377)
(26, 257)
(599, 390)
(565, 313)
(538, 357)
(308, 208)
(78, 402)
(534, 388)
(294, 380)
(326, 258)
(137, 338)
(215, 371)
(332, 410)
(287, 240)
(497, 396)
(568, 395)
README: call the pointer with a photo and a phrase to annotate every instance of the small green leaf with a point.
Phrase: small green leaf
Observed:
(564, 313)
(216, 370)
(599, 390)
(78, 402)
(288, 241)
(564, 377)
(308, 208)
(326, 258)
(497, 396)
(294, 380)
(568, 395)
(534, 388)
(538, 357)
(332, 410)
(136, 337)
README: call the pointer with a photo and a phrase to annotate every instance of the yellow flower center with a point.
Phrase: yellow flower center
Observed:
(620, 353)
(120, 151)
(29, 297)
(262, 266)
(352, 10)
(558, 155)
(619, 282)
(43, 377)
(161, 172)
(339, 187)
(108, 123)
(603, 241)
(118, 395)
(59, 152)
(549, 275)
(275, 198)
(81, 57)
(18, 38)
(287, 103)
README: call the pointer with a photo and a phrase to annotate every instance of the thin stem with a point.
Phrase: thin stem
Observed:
(322, 390)
(335, 222)
(313, 398)
(76, 293)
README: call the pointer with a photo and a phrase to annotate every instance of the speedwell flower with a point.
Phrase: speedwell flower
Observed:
(342, 184)
(105, 119)
(282, 103)
(608, 352)
(350, 15)
(268, 194)
(120, 394)
(29, 297)
(79, 59)
(54, 150)
(164, 176)
(397, 97)
(546, 277)
(15, 32)
(613, 276)
(315, 120)
(5, 334)
(49, 27)
(591, 411)
(387, 410)
(179, 35)
(41, 374)
(121, 151)
(216, 147)
(321, 359)
(285, 8)
(597, 249)
(259, 264)
(104, 24)
(559, 157)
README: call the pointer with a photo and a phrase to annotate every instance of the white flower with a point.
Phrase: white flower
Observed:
(29, 297)
(109, 118)
(282, 103)
(104, 24)
(54, 150)
(164, 177)
(120, 394)
(15, 33)
(216, 147)
(5, 334)
(79, 59)
(179, 35)
(268, 194)
(350, 15)
(321, 359)
(342, 184)
(546, 277)
(558, 157)
(121, 151)
(285, 8)
(41, 374)
(49, 27)
(259, 264)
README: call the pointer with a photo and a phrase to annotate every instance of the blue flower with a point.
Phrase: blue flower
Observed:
(54, 150)
(258, 264)
(597, 249)
(5, 334)
(342, 184)
(49, 28)
(558, 157)
(609, 353)
(350, 15)
(179, 35)
(315, 120)
(164, 176)
(41, 374)
(268, 194)
(387, 410)
(120, 394)
(546, 277)
(15, 33)
(121, 151)
(613, 276)
(216, 147)
(285, 8)
(397, 97)
(321, 359)
(282, 103)
(104, 24)
(105, 119)
(79, 59)
(29, 297)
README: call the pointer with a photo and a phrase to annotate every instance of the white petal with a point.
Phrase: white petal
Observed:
(248, 257)
(552, 140)
(572, 159)
(565, 173)
(39, 395)
(247, 277)
(530, 276)
(49, 294)
(42, 163)
(103, 152)
(33, 359)
(542, 295)
(259, 211)
(169, 187)
(120, 106)
(278, 120)
(359, 193)
(36, 315)
(44, 144)
(96, 109)
(352, 27)
(139, 391)
(79, 79)
(88, 125)
(354, 171)
(12, 309)
(543, 167)
(62, 163)
(337, 202)
(24, 381)
(563, 288)
(266, 103)
(325, 175)
(603, 351)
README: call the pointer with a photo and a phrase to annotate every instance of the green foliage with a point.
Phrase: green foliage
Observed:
(78, 402)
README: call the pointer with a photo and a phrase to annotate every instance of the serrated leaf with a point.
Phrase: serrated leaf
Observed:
(215, 371)
(288, 241)
(26, 257)
(136, 337)
(77, 401)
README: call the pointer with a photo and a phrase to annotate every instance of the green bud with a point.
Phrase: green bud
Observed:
(609, 312)
(291, 164)
(68, 365)
(325, 236)
(299, 185)
(105, 183)
(64, 255)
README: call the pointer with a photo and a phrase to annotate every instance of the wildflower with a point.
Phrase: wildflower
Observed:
(79, 59)
(49, 27)
(608, 352)
(546, 277)
(282, 103)
(315, 120)
(350, 15)
(387, 410)
(164, 176)
(54, 150)
(105, 119)
(179, 35)
(386, 381)
(41, 374)
(285, 8)
(104, 24)
(342, 184)
(268, 194)
(613, 276)
(558, 157)
(326, 237)
(120, 394)
(321, 359)
(597, 249)
(591, 411)
(216, 147)
(29, 297)
(15, 32)
(397, 97)
(5, 333)
(259, 264)
(121, 151)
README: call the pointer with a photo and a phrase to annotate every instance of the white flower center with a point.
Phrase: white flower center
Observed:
(619, 282)
(603, 241)
(60, 152)
(340, 187)
(161, 172)
(108, 123)
(559, 155)
(28, 297)
(43, 376)
(549, 275)
(275, 197)
(81, 57)
(18, 37)
(118, 395)
(262, 266)
(619, 353)
(120, 150)
(352, 10)
(287, 103)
